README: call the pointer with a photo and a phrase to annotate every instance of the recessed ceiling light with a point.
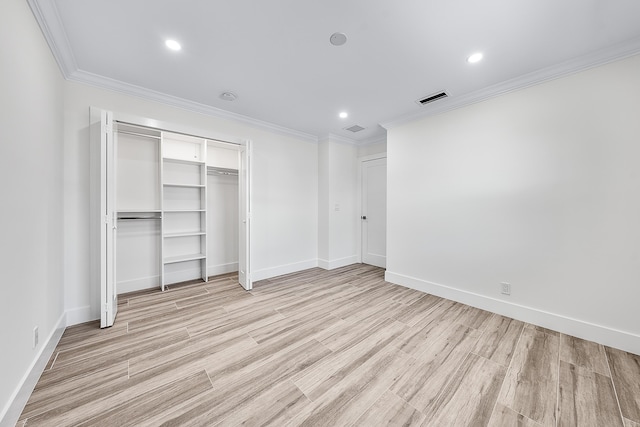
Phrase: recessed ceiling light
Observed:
(476, 57)
(173, 45)
(338, 39)
(343, 115)
(228, 96)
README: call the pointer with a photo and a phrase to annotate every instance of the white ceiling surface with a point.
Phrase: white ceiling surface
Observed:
(276, 56)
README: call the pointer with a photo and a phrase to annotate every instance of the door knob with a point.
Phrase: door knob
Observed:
(363, 217)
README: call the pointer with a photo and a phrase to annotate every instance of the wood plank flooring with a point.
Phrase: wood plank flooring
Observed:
(326, 348)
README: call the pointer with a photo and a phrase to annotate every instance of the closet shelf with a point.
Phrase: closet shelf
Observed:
(171, 184)
(182, 258)
(185, 234)
(185, 162)
(127, 211)
(183, 210)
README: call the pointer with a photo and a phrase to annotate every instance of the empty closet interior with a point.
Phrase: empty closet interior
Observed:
(177, 207)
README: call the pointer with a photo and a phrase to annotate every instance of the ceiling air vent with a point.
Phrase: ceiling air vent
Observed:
(355, 128)
(432, 98)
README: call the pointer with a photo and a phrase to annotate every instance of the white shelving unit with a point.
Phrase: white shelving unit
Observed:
(184, 207)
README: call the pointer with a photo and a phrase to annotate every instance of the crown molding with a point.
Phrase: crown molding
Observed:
(572, 66)
(46, 14)
(344, 140)
(48, 18)
(378, 139)
(174, 101)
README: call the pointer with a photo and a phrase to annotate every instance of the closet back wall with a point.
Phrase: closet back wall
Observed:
(284, 190)
(138, 184)
(222, 212)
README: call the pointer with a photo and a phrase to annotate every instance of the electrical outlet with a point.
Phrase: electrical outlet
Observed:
(505, 288)
(35, 337)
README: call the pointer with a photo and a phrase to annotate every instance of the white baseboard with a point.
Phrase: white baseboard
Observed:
(337, 263)
(579, 328)
(268, 273)
(12, 410)
(216, 270)
(79, 315)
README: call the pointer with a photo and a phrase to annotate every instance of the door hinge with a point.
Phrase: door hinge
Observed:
(105, 219)
(106, 307)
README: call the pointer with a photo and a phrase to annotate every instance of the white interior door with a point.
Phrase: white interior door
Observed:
(244, 211)
(374, 212)
(109, 223)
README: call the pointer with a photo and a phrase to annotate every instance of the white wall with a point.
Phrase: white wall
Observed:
(337, 204)
(31, 166)
(370, 149)
(539, 188)
(284, 187)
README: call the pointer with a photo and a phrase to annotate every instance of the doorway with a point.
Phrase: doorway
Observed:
(373, 216)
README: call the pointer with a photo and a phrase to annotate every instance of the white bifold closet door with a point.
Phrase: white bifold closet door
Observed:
(244, 210)
(109, 223)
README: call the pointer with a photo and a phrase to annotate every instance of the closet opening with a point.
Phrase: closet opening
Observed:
(173, 208)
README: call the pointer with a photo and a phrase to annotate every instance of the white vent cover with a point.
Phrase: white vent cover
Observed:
(354, 128)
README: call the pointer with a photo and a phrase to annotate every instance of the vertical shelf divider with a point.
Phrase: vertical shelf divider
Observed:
(184, 196)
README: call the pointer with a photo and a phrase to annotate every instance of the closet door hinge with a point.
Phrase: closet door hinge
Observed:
(105, 219)
(106, 307)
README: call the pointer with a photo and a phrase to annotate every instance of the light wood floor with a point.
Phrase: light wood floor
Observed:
(327, 348)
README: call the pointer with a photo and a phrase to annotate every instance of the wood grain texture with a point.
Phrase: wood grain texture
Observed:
(499, 339)
(629, 423)
(391, 411)
(586, 398)
(324, 348)
(469, 398)
(531, 383)
(583, 353)
(505, 417)
(625, 370)
(427, 374)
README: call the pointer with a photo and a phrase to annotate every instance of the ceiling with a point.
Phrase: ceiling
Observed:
(276, 56)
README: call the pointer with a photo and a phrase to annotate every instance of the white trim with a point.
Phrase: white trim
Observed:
(79, 315)
(216, 270)
(267, 273)
(379, 139)
(337, 263)
(14, 407)
(575, 65)
(174, 101)
(623, 340)
(361, 160)
(48, 18)
(339, 139)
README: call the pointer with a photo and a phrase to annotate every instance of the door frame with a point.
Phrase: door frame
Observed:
(95, 180)
(361, 161)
